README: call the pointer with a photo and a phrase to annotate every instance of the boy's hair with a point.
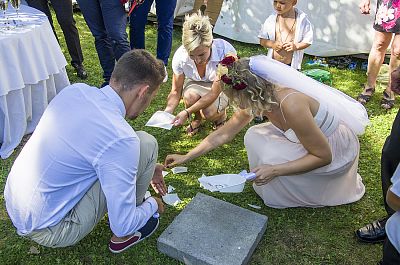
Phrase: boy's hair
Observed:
(197, 30)
(138, 67)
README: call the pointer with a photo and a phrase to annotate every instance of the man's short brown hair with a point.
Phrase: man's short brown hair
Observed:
(138, 67)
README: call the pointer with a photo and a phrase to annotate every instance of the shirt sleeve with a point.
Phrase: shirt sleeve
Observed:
(265, 29)
(396, 182)
(177, 61)
(308, 34)
(228, 49)
(116, 169)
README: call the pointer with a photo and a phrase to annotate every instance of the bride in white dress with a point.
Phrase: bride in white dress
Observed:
(307, 154)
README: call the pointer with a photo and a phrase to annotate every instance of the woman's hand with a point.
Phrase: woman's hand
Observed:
(174, 159)
(264, 174)
(180, 118)
(157, 182)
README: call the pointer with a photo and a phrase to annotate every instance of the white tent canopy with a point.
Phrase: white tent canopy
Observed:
(339, 27)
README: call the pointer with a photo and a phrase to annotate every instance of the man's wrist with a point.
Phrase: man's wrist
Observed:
(153, 203)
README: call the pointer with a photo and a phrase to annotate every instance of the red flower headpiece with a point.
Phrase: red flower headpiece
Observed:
(230, 79)
(228, 61)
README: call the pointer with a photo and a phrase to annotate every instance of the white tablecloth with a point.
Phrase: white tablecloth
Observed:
(32, 72)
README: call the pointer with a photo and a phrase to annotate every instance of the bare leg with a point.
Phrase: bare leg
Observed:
(394, 59)
(211, 114)
(388, 98)
(375, 60)
(190, 98)
(377, 55)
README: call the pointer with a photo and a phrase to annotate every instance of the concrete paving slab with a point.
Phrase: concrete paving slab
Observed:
(210, 231)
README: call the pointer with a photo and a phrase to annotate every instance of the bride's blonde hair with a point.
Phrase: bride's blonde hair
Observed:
(196, 31)
(258, 94)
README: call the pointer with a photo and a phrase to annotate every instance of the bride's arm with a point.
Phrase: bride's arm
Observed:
(219, 137)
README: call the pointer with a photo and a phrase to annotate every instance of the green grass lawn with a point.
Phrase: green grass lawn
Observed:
(294, 236)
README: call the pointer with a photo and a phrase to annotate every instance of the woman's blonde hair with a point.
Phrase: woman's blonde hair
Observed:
(197, 30)
(259, 93)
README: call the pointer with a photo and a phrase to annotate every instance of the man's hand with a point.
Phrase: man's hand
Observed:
(157, 182)
(160, 204)
(264, 174)
(365, 7)
(174, 159)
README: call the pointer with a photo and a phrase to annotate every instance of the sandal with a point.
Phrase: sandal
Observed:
(217, 125)
(364, 98)
(192, 130)
(387, 102)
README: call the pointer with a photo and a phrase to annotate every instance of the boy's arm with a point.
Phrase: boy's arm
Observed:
(291, 46)
(275, 45)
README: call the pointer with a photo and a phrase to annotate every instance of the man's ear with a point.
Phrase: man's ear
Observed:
(143, 90)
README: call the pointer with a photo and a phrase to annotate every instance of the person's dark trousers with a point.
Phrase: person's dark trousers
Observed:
(390, 254)
(165, 18)
(65, 17)
(390, 159)
(107, 21)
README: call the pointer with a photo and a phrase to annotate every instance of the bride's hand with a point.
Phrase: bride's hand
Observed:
(174, 159)
(264, 174)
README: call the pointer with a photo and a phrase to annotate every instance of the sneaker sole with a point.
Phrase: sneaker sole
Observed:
(140, 240)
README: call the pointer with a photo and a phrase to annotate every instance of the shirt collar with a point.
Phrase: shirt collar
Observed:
(214, 54)
(110, 93)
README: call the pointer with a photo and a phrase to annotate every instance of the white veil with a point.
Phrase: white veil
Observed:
(348, 110)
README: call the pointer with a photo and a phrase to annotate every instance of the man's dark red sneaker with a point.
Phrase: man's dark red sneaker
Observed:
(144, 232)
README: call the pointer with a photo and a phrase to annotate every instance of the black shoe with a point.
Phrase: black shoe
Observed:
(80, 70)
(373, 232)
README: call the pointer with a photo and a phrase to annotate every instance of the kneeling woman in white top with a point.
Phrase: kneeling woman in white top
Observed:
(194, 65)
(307, 155)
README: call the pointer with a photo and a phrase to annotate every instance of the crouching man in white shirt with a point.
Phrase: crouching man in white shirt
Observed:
(84, 160)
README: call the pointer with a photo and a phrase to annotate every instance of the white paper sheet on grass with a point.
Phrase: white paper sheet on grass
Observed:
(177, 170)
(161, 119)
